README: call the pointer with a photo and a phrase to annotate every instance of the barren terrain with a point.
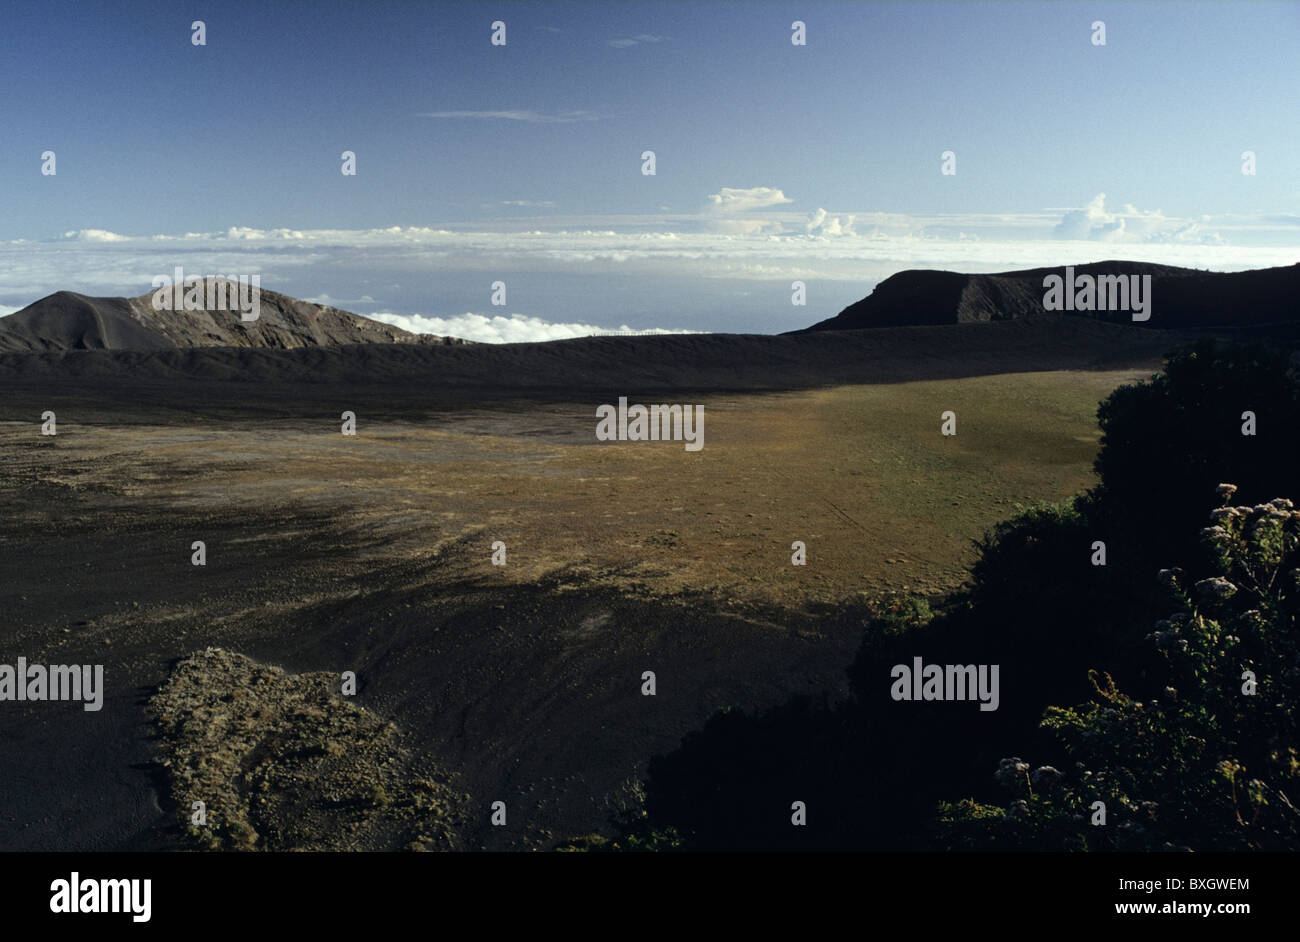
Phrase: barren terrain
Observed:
(371, 553)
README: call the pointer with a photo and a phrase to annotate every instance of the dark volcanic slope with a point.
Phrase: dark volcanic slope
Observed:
(1181, 297)
(682, 361)
(397, 377)
(67, 321)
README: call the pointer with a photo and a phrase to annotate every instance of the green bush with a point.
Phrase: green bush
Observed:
(1212, 763)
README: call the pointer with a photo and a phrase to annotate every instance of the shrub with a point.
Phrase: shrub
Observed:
(1212, 762)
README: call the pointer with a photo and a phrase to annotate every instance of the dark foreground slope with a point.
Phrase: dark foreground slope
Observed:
(1181, 297)
(67, 321)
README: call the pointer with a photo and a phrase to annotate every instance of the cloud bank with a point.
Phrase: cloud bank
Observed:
(724, 265)
(515, 328)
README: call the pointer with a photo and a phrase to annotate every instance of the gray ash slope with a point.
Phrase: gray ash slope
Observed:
(1181, 298)
(66, 321)
(601, 366)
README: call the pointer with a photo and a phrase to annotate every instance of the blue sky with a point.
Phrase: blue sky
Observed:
(522, 163)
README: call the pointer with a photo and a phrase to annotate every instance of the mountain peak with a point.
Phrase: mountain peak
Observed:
(1179, 297)
(66, 321)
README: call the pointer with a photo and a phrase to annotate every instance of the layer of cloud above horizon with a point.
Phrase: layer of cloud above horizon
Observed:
(512, 328)
(738, 234)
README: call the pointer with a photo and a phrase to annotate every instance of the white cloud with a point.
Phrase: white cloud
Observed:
(517, 328)
(7, 309)
(726, 206)
(536, 117)
(732, 199)
(326, 301)
(1090, 222)
(638, 40)
(1095, 223)
(745, 226)
(93, 235)
(819, 223)
(541, 204)
(246, 234)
